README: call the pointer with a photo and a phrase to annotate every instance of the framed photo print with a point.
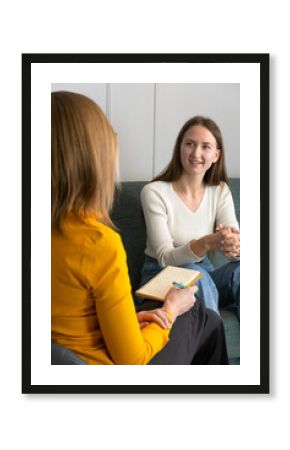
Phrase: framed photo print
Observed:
(136, 166)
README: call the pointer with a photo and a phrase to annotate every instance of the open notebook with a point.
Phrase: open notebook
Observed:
(158, 286)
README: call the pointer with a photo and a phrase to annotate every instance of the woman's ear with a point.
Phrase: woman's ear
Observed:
(217, 156)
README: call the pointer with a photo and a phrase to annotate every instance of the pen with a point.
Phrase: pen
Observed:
(181, 286)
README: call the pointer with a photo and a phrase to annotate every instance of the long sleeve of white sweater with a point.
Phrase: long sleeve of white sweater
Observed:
(171, 225)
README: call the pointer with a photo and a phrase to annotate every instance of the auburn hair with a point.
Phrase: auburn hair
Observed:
(84, 155)
(215, 174)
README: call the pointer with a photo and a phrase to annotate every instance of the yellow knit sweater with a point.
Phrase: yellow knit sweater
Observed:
(93, 312)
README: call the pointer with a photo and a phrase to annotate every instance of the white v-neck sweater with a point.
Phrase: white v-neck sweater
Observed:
(171, 225)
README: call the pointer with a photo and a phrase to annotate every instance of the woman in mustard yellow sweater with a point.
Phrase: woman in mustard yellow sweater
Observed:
(93, 311)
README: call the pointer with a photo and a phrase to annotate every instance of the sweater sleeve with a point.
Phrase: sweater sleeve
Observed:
(116, 314)
(226, 210)
(158, 234)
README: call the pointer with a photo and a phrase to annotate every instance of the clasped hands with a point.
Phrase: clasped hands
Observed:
(229, 241)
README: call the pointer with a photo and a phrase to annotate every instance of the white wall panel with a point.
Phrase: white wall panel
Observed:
(176, 103)
(132, 116)
(147, 118)
(95, 91)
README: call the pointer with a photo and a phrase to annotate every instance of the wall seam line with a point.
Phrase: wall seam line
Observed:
(154, 132)
(108, 101)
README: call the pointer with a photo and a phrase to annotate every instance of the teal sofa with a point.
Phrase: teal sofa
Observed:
(127, 216)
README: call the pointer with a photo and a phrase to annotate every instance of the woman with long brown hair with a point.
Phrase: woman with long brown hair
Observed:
(189, 212)
(93, 311)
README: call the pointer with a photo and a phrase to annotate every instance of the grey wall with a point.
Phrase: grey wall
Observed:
(147, 118)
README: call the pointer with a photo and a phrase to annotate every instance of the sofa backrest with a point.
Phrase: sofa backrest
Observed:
(127, 216)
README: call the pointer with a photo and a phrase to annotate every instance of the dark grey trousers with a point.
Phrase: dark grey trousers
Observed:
(196, 337)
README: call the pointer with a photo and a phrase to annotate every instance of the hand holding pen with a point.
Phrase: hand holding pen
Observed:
(179, 300)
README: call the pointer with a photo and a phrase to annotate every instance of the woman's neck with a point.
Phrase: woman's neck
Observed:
(189, 185)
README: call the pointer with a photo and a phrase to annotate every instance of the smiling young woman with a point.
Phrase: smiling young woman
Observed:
(189, 211)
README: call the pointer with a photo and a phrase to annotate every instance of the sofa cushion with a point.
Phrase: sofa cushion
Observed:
(62, 356)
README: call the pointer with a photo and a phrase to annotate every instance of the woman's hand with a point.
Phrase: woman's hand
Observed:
(210, 242)
(158, 316)
(178, 301)
(230, 238)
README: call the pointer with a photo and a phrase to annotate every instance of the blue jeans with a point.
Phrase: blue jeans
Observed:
(217, 288)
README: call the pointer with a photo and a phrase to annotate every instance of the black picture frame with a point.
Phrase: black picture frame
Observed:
(263, 61)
